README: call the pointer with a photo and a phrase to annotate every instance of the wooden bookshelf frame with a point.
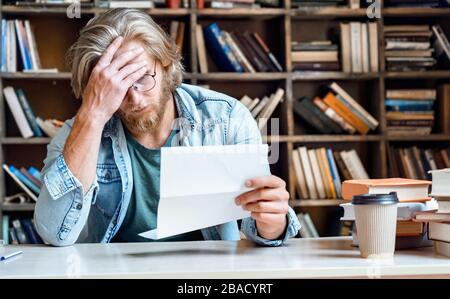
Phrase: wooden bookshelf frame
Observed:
(287, 137)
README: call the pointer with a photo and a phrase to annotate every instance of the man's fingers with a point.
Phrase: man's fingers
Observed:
(121, 60)
(266, 207)
(130, 79)
(108, 55)
(129, 69)
(270, 181)
(262, 194)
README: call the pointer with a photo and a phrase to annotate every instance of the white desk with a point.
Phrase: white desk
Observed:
(299, 258)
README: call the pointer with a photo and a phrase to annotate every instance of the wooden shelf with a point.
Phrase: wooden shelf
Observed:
(241, 76)
(241, 12)
(20, 140)
(331, 138)
(18, 207)
(317, 76)
(25, 75)
(415, 11)
(432, 74)
(432, 137)
(12, 9)
(327, 12)
(297, 203)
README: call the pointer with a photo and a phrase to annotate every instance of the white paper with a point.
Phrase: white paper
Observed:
(199, 184)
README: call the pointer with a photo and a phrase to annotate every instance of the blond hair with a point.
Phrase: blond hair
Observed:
(131, 24)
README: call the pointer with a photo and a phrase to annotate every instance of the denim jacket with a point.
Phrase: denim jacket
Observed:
(64, 215)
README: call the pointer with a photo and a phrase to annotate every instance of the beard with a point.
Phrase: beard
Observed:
(151, 120)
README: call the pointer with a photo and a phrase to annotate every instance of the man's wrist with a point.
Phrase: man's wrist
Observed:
(269, 232)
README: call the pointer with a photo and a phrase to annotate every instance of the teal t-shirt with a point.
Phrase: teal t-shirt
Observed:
(143, 208)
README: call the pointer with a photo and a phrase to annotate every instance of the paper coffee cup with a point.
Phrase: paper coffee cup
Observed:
(376, 223)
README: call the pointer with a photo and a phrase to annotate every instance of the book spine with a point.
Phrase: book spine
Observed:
(355, 30)
(334, 173)
(220, 49)
(340, 108)
(20, 233)
(259, 52)
(3, 56)
(24, 179)
(266, 49)
(17, 112)
(250, 53)
(28, 113)
(302, 109)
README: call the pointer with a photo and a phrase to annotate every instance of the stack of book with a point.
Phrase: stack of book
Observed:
(19, 231)
(29, 180)
(415, 163)
(18, 37)
(235, 51)
(408, 47)
(308, 229)
(314, 3)
(315, 56)
(410, 111)
(438, 220)
(359, 47)
(29, 125)
(336, 113)
(262, 109)
(413, 197)
(416, 3)
(318, 171)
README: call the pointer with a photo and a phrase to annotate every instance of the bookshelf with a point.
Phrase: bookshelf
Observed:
(50, 94)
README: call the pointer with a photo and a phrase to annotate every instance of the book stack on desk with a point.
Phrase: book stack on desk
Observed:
(438, 220)
(413, 198)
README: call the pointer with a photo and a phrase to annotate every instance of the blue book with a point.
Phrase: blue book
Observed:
(334, 173)
(29, 114)
(24, 179)
(402, 105)
(30, 231)
(34, 172)
(220, 51)
(23, 45)
(4, 30)
(5, 226)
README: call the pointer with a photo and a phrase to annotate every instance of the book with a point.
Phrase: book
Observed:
(19, 115)
(29, 114)
(268, 110)
(318, 181)
(312, 190)
(354, 164)
(5, 231)
(35, 181)
(267, 51)
(201, 50)
(219, 50)
(346, 54)
(310, 224)
(432, 216)
(406, 189)
(439, 231)
(442, 248)
(19, 182)
(300, 175)
(20, 233)
(440, 186)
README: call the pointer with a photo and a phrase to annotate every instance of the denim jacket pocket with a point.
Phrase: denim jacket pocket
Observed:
(107, 173)
(109, 184)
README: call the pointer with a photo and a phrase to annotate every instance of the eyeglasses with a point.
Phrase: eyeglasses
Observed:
(146, 82)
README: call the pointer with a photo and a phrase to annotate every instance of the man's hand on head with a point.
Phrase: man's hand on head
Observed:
(110, 80)
(268, 204)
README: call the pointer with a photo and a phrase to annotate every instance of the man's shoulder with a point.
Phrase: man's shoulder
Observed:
(197, 99)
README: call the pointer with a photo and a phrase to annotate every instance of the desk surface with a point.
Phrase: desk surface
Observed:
(299, 258)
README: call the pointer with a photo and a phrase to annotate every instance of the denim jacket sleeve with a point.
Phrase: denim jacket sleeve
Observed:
(244, 130)
(62, 208)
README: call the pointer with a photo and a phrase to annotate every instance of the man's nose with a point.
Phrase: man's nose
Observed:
(133, 97)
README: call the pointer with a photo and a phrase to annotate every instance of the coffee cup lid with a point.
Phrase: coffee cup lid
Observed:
(377, 199)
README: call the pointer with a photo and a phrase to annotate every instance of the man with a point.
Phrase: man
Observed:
(101, 174)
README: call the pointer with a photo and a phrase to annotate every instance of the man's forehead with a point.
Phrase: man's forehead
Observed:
(130, 45)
